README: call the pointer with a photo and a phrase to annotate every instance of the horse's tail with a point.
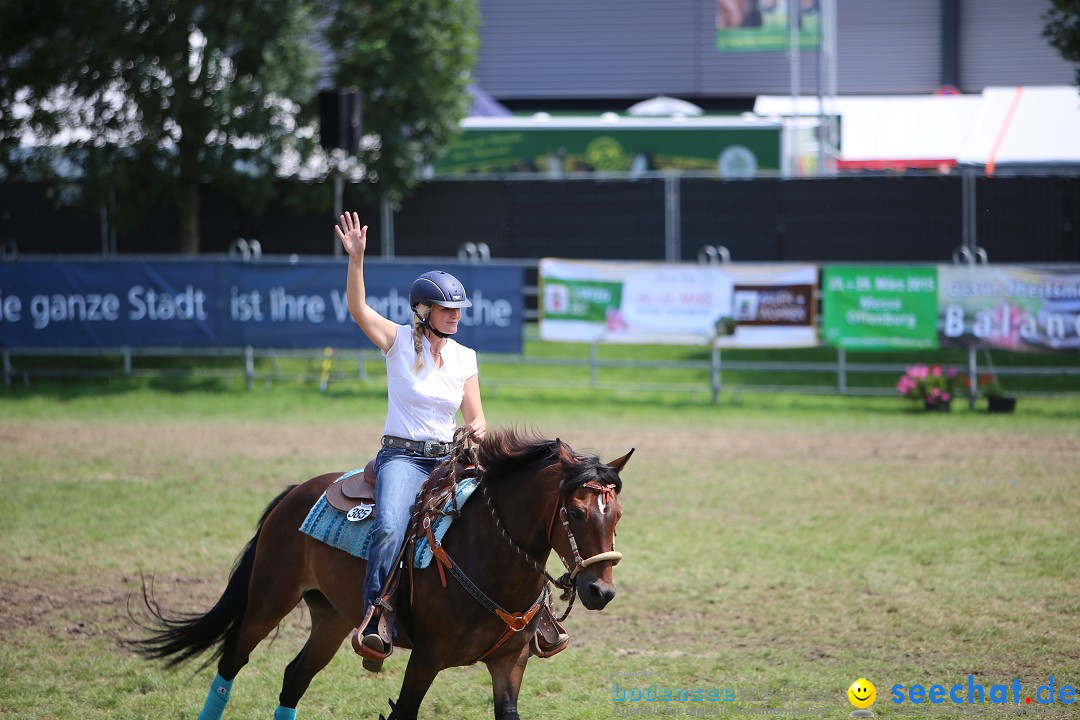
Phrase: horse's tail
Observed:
(183, 637)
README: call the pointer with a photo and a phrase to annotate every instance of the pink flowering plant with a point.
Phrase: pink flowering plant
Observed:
(933, 385)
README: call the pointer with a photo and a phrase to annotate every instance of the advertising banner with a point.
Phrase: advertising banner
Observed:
(756, 25)
(1011, 308)
(55, 304)
(731, 152)
(880, 308)
(678, 304)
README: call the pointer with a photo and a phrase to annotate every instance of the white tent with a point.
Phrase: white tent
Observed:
(1025, 128)
(664, 106)
(882, 132)
(1038, 127)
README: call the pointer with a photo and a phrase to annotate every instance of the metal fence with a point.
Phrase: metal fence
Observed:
(705, 376)
(519, 219)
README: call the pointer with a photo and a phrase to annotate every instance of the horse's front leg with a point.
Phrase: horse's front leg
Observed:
(419, 674)
(506, 673)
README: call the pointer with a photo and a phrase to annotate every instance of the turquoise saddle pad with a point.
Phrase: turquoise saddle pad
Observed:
(331, 526)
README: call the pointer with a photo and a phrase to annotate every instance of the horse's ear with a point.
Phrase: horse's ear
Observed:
(620, 463)
(566, 453)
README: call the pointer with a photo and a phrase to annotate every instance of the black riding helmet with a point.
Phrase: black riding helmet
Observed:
(437, 288)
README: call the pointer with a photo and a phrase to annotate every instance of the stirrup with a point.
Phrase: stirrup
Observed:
(364, 645)
(373, 657)
(550, 637)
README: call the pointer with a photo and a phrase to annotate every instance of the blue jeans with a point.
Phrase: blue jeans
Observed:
(400, 473)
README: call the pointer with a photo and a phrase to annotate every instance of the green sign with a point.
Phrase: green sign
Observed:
(745, 26)
(729, 151)
(880, 308)
(586, 300)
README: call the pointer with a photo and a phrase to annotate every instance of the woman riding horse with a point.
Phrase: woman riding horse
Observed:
(429, 376)
(535, 496)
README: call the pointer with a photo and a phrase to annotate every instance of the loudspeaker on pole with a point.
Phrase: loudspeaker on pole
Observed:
(340, 120)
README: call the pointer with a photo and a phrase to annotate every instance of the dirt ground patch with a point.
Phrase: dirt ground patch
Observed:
(149, 445)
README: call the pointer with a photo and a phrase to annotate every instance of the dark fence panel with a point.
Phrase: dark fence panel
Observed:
(439, 217)
(872, 219)
(44, 219)
(838, 219)
(298, 219)
(856, 219)
(620, 220)
(535, 218)
(742, 215)
(1026, 219)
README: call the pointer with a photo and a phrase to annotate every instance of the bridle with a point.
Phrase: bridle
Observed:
(606, 493)
(566, 581)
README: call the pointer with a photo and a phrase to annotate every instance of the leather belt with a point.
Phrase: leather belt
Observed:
(428, 448)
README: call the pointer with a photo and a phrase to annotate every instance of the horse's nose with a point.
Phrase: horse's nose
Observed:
(597, 595)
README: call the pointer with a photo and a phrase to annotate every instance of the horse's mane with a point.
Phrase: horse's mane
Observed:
(505, 452)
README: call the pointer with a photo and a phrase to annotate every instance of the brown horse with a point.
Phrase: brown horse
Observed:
(501, 543)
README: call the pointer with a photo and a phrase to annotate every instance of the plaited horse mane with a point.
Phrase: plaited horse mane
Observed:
(538, 495)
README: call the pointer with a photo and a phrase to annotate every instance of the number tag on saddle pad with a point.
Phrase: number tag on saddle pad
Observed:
(360, 512)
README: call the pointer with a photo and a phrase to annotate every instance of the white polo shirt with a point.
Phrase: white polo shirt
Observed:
(424, 405)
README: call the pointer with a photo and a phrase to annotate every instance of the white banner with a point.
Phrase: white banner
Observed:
(749, 306)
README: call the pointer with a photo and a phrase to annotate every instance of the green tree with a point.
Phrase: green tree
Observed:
(412, 62)
(1063, 30)
(149, 100)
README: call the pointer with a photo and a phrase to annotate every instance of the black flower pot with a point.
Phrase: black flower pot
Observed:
(1001, 404)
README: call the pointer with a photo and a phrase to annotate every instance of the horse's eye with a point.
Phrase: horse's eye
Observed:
(577, 513)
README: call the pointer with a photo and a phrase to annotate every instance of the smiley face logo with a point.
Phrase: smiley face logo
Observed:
(862, 693)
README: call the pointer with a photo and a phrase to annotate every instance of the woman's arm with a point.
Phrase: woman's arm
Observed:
(472, 410)
(353, 238)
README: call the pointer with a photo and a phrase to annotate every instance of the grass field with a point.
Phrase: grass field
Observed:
(771, 543)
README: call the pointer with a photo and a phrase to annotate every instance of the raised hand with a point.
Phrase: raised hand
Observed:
(353, 236)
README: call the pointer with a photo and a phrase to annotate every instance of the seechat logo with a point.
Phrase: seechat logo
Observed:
(975, 693)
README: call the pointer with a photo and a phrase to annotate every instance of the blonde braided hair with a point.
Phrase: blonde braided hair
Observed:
(422, 311)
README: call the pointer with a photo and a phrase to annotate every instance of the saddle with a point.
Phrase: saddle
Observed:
(354, 493)
(358, 488)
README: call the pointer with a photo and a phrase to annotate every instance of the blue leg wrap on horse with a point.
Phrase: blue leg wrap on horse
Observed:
(284, 713)
(216, 699)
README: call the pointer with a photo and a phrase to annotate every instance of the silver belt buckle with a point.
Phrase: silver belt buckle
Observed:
(434, 448)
